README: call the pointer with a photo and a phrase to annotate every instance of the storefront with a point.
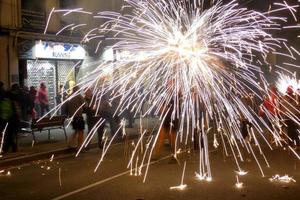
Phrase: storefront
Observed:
(52, 63)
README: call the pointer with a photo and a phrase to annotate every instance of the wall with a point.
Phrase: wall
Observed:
(3, 60)
(54, 24)
(10, 14)
(10, 20)
(9, 72)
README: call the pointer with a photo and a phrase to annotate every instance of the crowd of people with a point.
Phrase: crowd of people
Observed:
(281, 111)
(20, 104)
(286, 109)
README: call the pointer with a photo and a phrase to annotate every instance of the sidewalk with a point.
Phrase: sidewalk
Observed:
(57, 145)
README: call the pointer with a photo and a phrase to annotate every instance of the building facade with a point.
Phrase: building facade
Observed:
(29, 55)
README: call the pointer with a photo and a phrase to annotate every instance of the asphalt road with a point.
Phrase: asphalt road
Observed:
(73, 178)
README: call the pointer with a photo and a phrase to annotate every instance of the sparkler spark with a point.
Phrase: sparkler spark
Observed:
(203, 62)
(52, 158)
(59, 177)
(2, 139)
(241, 173)
(283, 179)
(285, 81)
(8, 173)
(181, 186)
(238, 183)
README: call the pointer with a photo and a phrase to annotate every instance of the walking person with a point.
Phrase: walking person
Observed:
(75, 109)
(43, 99)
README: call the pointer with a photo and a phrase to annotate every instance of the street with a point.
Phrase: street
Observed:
(67, 177)
(218, 75)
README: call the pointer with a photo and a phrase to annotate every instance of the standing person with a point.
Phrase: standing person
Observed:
(93, 117)
(59, 98)
(5, 115)
(290, 111)
(32, 101)
(25, 103)
(75, 109)
(12, 118)
(89, 111)
(168, 129)
(297, 93)
(270, 103)
(170, 123)
(63, 97)
(113, 119)
(245, 124)
(129, 115)
(43, 99)
(2, 95)
(2, 90)
(269, 110)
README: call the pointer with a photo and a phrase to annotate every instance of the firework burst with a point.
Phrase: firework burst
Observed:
(204, 62)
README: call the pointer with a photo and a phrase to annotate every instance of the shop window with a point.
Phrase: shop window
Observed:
(39, 71)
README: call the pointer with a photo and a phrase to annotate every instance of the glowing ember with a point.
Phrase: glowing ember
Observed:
(2, 140)
(180, 187)
(282, 179)
(52, 157)
(241, 173)
(203, 177)
(285, 81)
(238, 183)
(8, 173)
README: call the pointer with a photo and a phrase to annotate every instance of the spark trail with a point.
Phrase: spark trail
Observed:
(200, 65)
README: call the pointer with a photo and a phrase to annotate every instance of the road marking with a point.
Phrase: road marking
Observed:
(102, 181)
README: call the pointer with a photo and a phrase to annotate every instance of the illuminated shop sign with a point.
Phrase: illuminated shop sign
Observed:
(53, 50)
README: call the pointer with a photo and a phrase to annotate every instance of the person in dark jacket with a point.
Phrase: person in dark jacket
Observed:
(93, 117)
(75, 110)
(12, 119)
(2, 90)
(32, 100)
(289, 109)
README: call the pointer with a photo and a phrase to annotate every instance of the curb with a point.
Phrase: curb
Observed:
(19, 160)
